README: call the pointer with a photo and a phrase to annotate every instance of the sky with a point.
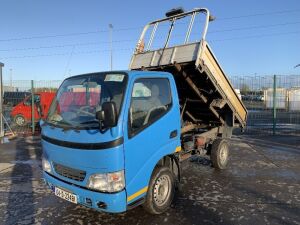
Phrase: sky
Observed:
(51, 40)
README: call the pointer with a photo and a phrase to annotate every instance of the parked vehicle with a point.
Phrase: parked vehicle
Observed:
(255, 98)
(125, 148)
(22, 112)
(12, 98)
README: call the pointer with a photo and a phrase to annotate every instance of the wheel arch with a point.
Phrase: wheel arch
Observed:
(156, 203)
(172, 162)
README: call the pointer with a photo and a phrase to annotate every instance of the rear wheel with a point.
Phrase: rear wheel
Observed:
(219, 154)
(20, 120)
(161, 191)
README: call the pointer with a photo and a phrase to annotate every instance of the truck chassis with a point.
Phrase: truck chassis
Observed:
(210, 108)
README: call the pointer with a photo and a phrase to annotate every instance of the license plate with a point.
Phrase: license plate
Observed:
(65, 195)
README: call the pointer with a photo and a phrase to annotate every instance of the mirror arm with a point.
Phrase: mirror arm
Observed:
(102, 128)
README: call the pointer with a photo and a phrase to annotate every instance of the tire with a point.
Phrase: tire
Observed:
(20, 120)
(219, 154)
(161, 191)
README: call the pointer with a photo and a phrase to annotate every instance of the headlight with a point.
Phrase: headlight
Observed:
(108, 182)
(46, 165)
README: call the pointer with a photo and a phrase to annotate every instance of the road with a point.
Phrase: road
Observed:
(260, 186)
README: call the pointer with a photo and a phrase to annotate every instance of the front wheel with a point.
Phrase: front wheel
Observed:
(219, 154)
(20, 120)
(161, 191)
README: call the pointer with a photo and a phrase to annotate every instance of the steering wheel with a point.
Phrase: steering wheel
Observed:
(84, 110)
(151, 111)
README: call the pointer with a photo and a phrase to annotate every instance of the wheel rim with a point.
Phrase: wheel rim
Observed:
(162, 190)
(20, 120)
(223, 154)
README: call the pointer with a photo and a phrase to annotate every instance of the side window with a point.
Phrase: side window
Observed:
(150, 100)
(36, 100)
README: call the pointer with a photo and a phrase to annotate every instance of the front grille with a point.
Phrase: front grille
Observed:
(68, 172)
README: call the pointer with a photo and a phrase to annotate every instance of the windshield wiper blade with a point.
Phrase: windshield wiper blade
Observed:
(60, 123)
(90, 122)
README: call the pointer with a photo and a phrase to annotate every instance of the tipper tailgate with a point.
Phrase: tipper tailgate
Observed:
(210, 65)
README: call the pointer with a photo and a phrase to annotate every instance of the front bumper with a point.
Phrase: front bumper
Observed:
(107, 202)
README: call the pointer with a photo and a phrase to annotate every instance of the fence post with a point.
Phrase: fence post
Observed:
(274, 104)
(32, 108)
(1, 102)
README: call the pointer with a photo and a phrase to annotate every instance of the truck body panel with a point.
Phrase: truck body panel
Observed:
(200, 56)
(216, 74)
(145, 149)
(195, 64)
(167, 56)
(84, 159)
(115, 202)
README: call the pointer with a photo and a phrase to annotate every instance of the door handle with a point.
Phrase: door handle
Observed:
(173, 134)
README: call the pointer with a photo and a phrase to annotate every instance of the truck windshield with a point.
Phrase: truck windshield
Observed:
(79, 98)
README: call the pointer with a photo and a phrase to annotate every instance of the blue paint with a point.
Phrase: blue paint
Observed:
(137, 156)
(115, 202)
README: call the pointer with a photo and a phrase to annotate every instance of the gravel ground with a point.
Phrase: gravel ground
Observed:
(260, 186)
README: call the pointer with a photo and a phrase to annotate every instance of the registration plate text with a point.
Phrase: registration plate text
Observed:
(65, 195)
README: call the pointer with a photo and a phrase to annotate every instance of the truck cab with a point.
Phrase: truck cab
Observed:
(105, 135)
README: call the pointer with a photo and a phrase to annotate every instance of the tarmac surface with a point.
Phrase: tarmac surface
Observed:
(260, 186)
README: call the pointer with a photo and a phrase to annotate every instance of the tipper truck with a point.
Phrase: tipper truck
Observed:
(123, 146)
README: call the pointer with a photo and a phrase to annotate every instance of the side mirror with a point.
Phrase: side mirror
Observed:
(108, 115)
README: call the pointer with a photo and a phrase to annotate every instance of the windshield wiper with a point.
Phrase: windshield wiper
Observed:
(67, 126)
(61, 123)
(96, 122)
(89, 122)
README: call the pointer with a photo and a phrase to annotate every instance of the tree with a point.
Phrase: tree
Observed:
(245, 89)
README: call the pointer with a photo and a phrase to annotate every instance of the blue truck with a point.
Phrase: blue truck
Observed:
(115, 140)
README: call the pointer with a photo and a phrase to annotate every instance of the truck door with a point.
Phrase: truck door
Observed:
(153, 131)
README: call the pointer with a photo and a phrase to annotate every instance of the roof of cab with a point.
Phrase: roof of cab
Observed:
(129, 72)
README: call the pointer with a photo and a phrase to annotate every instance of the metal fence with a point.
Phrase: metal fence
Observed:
(20, 110)
(273, 103)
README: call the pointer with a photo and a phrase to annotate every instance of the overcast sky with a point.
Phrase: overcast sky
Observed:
(45, 40)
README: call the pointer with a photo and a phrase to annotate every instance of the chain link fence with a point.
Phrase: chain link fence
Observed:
(273, 103)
